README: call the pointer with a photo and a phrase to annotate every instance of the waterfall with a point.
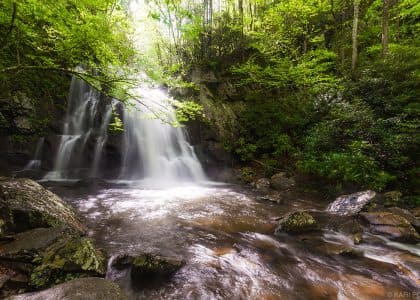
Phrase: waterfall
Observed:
(153, 149)
(78, 128)
(35, 163)
(150, 148)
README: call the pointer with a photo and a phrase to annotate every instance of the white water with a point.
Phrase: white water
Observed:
(35, 163)
(79, 125)
(153, 149)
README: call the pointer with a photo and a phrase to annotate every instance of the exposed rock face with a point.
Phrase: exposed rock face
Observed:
(297, 222)
(351, 204)
(24, 205)
(280, 182)
(78, 289)
(395, 226)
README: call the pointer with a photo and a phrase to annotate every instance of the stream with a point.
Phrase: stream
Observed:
(225, 235)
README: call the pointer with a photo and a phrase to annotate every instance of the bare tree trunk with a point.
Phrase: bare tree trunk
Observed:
(354, 34)
(385, 19)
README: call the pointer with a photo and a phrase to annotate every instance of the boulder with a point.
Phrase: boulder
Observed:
(24, 205)
(148, 269)
(348, 205)
(24, 246)
(68, 258)
(396, 227)
(415, 221)
(262, 184)
(280, 182)
(77, 289)
(297, 222)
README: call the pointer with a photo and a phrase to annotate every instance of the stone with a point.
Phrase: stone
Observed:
(24, 205)
(68, 258)
(280, 182)
(151, 267)
(262, 184)
(392, 198)
(348, 205)
(415, 221)
(394, 226)
(91, 288)
(297, 222)
(26, 245)
(147, 269)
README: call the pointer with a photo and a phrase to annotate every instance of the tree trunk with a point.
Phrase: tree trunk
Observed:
(385, 19)
(354, 34)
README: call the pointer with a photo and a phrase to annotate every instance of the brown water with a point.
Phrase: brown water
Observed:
(226, 238)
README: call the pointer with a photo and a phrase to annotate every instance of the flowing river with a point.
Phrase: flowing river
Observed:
(226, 237)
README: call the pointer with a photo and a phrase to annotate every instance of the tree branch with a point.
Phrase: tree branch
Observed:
(12, 24)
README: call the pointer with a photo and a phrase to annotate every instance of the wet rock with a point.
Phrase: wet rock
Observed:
(395, 226)
(154, 267)
(70, 257)
(297, 222)
(351, 204)
(26, 245)
(280, 182)
(357, 238)
(24, 205)
(262, 184)
(337, 249)
(11, 282)
(392, 198)
(415, 221)
(272, 197)
(148, 270)
(78, 289)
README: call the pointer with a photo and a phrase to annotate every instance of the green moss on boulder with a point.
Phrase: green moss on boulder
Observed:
(24, 205)
(297, 222)
(71, 257)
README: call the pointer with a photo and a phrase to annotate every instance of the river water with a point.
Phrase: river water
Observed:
(226, 237)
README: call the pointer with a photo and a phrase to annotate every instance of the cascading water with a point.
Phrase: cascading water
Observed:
(153, 149)
(35, 163)
(80, 123)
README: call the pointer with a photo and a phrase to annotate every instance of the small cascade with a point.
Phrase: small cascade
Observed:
(35, 163)
(79, 126)
(153, 149)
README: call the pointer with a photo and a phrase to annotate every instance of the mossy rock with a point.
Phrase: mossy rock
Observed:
(153, 268)
(25, 205)
(70, 257)
(392, 225)
(297, 222)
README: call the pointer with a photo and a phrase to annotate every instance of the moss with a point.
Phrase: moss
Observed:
(69, 258)
(299, 222)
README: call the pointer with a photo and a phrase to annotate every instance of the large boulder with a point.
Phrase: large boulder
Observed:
(70, 257)
(24, 205)
(148, 269)
(297, 222)
(91, 288)
(347, 205)
(394, 226)
(281, 182)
